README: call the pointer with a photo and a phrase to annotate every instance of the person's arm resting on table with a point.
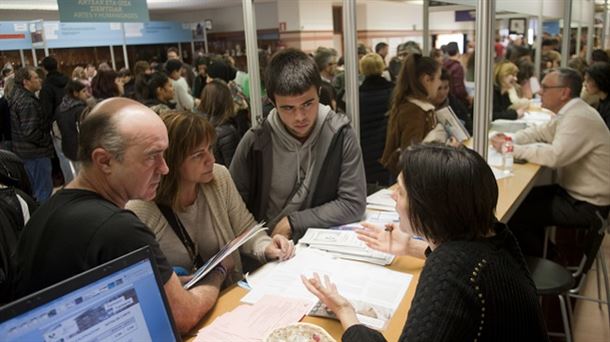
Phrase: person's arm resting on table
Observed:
(188, 307)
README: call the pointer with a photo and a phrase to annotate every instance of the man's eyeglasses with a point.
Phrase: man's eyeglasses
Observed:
(547, 87)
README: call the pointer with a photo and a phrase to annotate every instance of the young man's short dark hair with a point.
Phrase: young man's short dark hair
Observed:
(452, 49)
(380, 46)
(291, 72)
(451, 192)
(600, 73)
(599, 55)
(172, 65)
(49, 63)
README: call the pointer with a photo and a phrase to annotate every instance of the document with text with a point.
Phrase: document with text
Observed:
(375, 291)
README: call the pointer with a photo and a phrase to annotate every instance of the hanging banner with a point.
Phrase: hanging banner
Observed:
(37, 34)
(103, 11)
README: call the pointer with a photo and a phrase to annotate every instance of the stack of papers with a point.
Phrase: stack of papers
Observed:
(254, 322)
(374, 290)
(381, 200)
(344, 244)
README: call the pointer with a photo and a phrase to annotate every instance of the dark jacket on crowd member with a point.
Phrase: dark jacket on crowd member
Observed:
(5, 120)
(30, 127)
(375, 94)
(457, 87)
(227, 139)
(198, 85)
(604, 110)
(501, 104)
(68, 116)
(52, 92)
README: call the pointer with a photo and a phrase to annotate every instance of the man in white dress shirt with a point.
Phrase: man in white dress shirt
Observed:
(576, 143)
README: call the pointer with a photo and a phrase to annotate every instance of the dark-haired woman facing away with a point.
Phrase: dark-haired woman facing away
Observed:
(106, 84)
(412, 114)
(474, 285)
(217, 104)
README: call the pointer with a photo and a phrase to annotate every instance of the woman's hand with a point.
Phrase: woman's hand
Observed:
(453, 142)
(393, 241)
(279, 248)
(328, 294)
(497, 141)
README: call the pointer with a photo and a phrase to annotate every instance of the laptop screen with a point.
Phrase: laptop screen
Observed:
(121, 300)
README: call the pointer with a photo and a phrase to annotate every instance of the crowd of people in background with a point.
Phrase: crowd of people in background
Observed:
(215, 88)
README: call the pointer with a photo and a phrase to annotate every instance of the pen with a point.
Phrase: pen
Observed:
(389, 228)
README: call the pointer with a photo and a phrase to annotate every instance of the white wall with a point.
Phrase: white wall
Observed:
(581, 12)
(445, 21)
(226, 19)
(385, 15)
(388, 16)
(551, 8)
(315, 15)
(288, 12)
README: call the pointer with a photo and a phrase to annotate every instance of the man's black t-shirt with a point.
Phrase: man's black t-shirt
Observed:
(76, 230)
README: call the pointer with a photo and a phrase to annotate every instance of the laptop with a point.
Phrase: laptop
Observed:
(121, 300)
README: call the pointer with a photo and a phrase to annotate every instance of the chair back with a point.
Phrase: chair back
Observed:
(593, 241)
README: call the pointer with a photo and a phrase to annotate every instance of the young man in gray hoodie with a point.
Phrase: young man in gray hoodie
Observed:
(302, 167)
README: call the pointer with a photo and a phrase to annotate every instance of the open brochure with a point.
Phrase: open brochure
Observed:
(223, 253)
(344, 244)
(452, 124)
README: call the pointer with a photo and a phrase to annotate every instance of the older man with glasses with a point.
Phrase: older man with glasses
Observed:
(577, 144)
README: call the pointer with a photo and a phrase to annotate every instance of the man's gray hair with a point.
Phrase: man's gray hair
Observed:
(23, 74)
(572, 79)
(323, 57)
(100, 130)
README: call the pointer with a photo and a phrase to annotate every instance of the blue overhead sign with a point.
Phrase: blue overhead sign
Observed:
(68, 35)
(15, 35)
(121, 11)
(157, 32)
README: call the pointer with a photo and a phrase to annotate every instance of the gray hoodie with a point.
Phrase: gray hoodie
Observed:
(318, 183)
(294, 164)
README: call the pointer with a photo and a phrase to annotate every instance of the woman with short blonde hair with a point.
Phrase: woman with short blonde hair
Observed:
(371, 64)
(506, 103)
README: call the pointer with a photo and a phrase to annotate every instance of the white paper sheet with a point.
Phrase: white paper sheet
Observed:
(356, 281)
(254, 322)
(382, 199)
